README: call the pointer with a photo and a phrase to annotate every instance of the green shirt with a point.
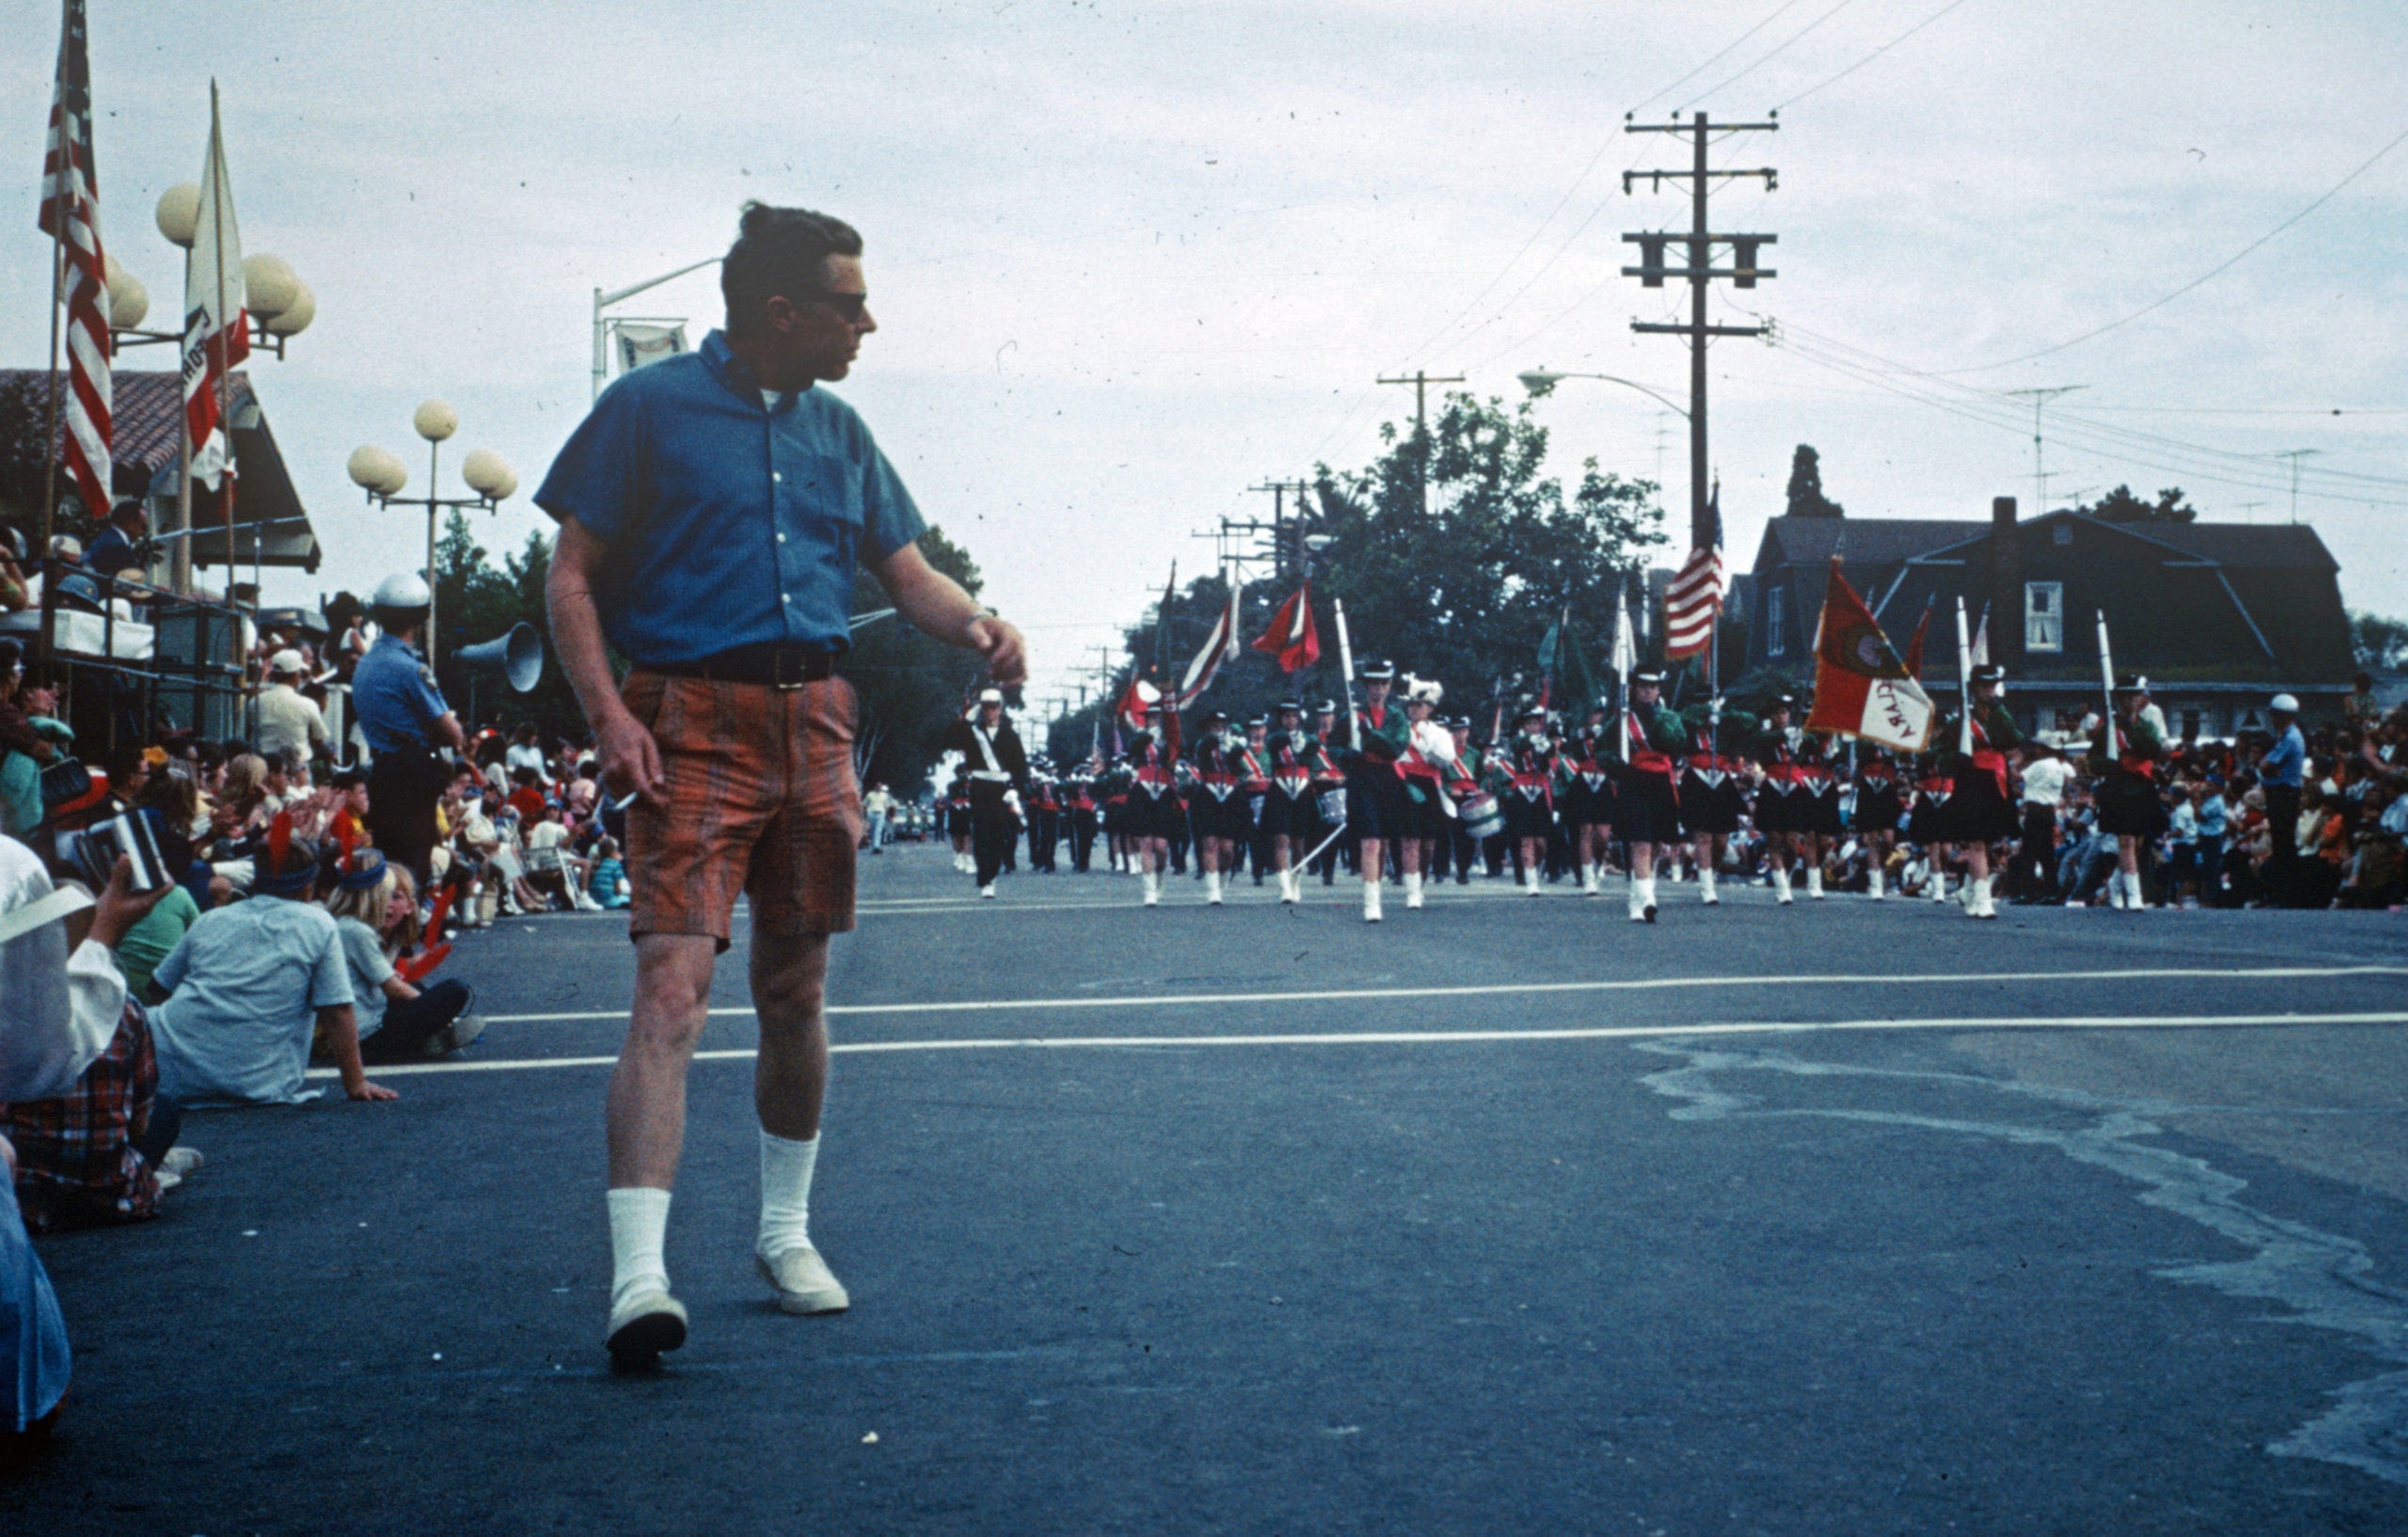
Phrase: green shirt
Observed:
(147, 944)
(21, 808)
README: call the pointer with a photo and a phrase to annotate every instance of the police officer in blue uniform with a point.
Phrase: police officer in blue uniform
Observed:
(406, 723)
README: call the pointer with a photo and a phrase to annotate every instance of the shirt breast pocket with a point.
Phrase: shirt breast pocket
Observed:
(826, 497)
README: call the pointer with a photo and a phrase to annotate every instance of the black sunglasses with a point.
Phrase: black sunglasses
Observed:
(848, 305)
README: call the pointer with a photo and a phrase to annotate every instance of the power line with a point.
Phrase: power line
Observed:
(1871, 56)
(1777, 50)
(2216, 271)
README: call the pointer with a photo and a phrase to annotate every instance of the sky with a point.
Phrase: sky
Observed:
(1130, 261)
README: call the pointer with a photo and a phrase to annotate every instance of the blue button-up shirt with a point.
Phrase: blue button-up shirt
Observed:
(394, 696)
(2285, 760)
(729, 520)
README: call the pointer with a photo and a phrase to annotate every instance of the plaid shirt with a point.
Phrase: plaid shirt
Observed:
(76, 1166)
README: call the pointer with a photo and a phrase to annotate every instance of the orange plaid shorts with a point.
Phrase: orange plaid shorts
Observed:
(760, 798)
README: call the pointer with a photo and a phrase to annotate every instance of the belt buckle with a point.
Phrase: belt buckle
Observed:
(789, 669)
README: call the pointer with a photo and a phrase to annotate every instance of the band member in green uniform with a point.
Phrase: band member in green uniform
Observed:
(1712, 802)
(1647, 811)
(1589, 796)
(1524, 773)
(2125, 756)
(1780, 793)
(1215, 809)
(1154, 812)
(1980, 809)
(1375, 801)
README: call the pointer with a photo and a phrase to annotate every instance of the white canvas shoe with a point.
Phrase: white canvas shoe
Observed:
(804, 1282)
(645, 1325)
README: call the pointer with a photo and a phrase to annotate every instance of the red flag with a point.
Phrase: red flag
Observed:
(1914, 647)
(1132, 705)
(70, 210)
(1292, 637)
(1860, 687)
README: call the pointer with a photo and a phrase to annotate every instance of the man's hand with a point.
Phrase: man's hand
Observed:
(630, 758)
(1005, 652)
(120, 907)
(366, 1090)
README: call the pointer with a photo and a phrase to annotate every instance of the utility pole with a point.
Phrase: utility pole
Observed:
(2295, 455)
(1743, 272)
(2040, 398)
(1421, 382)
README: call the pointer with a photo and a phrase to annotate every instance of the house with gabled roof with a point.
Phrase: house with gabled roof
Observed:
(2219, 617)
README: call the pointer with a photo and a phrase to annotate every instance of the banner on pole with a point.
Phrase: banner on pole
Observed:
(1861, 688)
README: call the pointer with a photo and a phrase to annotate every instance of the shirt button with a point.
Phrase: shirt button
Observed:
(782, 538)
(789, 596)
(777, 474)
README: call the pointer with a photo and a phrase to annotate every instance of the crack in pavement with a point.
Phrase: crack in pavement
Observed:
(2324, 1278)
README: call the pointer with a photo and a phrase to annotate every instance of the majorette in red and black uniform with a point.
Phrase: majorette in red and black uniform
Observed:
(1079, 817)
(1215, 781)
(1980, 808)
(1819, 771)
(1880, 793)
(1780, 798)
(1587, 798)
(1525, 768)
(1375, 800)
(1433, 781)
(1299, 767)
(1154, 809)
(1647, 807)
(1711, 798)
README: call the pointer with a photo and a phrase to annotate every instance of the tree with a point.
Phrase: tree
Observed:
(910, 685)
(475, 602)
(1462, 592)
(1806, 498)
(2121, 506)
(2379, 641)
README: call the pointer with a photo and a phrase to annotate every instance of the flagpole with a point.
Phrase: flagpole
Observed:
(49, 444)
(226, 367)
(1964, 683)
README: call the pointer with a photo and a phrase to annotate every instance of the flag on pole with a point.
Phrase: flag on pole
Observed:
(1219, 646)
(1563, 664)
(1914, 647)
(1694, 599)
(217, 328)
(70, 213)
(1982, 638)
(1140, 696)
(1860, 687)
(1292, 637)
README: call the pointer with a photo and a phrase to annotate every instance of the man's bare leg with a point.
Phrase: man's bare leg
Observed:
(645, 1112)
(789, 1085)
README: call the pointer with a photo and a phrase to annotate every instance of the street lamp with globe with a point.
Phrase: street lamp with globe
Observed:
(379, 472)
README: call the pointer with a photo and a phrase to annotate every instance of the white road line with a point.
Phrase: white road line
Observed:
(1459, 1038)
(1652, 984)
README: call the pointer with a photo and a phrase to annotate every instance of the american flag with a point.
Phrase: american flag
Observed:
(1691, 604)
(70, 213)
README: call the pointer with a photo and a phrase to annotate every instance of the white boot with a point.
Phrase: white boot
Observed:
(1589, 886)
(1814, 882)
(1372, 901)
(1642, 899)
(1412, 889)
(2115, 890)
(1211, 888)
(1939, 884)
(1980, 906)
(1153, 888)
(1530, 881)
(1874, 887)
(1287, 892)
(1705, 887)
(1781, 887)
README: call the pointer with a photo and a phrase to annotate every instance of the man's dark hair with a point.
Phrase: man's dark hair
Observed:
(778, 252)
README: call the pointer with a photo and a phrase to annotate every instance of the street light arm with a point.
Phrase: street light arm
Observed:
(602, 299)
(1539, 378)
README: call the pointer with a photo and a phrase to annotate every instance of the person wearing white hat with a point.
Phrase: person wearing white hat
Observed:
(2283, 774)
(998, 768)
(405, 720)
(289, 722)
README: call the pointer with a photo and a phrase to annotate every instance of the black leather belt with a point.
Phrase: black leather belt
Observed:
(776, 666)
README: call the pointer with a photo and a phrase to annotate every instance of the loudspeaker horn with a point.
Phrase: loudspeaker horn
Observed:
(517, 656)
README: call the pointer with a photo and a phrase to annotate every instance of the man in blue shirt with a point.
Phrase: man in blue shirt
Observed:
(403, 720)
(713, 508)
(2282, 772)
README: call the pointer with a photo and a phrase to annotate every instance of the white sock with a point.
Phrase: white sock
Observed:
(785, 1194)
(638, 1223)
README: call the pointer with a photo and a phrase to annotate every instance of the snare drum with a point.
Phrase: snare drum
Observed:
(1333, 806)
(1482, 816)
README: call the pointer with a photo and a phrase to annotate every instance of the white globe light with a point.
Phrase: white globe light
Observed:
(297, 315)
(374, 470)
(484, 470)
(179, 213)
(436, 420)
(509, 487)
(129, 301)
(269, 285)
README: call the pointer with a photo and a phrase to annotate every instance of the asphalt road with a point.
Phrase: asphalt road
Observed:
(1504, 1216)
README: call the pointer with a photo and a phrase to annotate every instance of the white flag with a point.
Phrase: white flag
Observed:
(217, 328)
